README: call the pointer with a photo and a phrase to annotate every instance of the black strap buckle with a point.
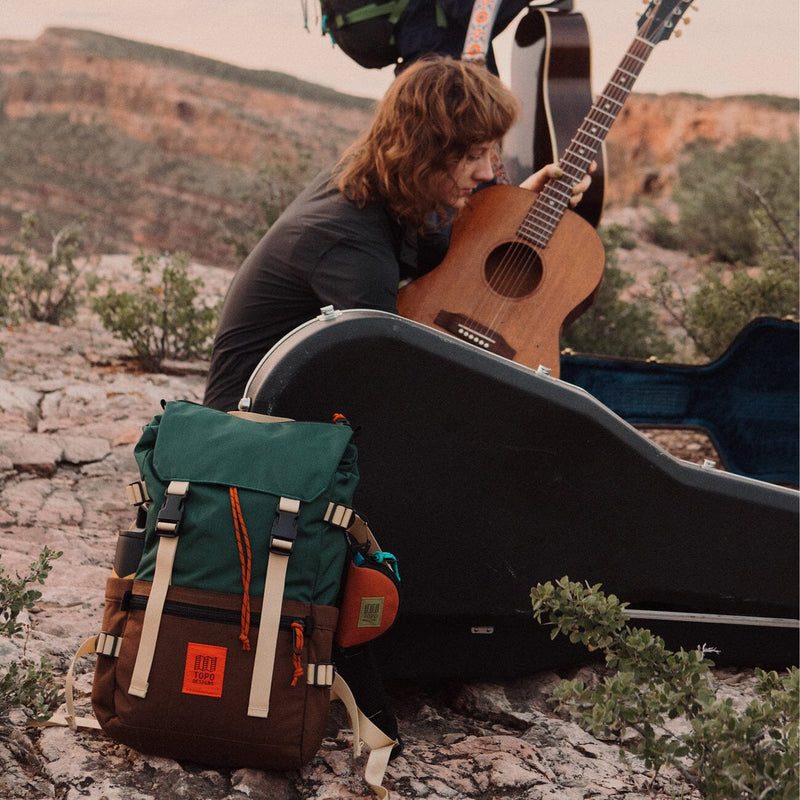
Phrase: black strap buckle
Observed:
(168, 521)
(284, 527)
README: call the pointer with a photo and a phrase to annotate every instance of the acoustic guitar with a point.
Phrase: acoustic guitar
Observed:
(521, 267)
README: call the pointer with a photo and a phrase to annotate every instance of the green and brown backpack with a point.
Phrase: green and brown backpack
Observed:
(216, 644)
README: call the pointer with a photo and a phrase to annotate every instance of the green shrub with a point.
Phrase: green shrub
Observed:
(727, 753)
(730, 200)
(160, 320)
(661, 230)
(727, 300)
(25, 684)
(46, 289)
(612, 326)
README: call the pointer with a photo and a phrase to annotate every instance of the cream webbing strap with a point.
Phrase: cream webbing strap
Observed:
(364, 729)
(479, 32)
(168, 528)
(361, 532)
(281, 544)
(69, 719)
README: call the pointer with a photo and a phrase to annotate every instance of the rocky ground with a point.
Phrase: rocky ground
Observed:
(71, 409)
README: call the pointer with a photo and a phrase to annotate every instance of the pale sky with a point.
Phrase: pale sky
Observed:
(729, 47)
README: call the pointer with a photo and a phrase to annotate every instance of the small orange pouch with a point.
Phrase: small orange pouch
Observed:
(370, 599)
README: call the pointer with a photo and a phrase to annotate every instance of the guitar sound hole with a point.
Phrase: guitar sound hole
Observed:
(513, 269)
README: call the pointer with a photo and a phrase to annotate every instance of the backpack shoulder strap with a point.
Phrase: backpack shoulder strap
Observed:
(364, 730)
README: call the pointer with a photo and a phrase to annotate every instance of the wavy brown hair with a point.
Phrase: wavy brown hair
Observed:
(432, 114)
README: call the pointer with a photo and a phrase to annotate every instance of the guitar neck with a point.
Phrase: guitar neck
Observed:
(549, 206)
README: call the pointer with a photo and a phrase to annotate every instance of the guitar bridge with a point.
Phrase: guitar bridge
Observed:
(473, 332)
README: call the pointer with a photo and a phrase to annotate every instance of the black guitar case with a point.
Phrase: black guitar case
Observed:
(485, 477)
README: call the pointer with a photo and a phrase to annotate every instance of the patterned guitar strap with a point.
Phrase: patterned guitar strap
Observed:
(476, 46)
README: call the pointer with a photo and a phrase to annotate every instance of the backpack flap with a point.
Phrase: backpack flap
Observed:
(313, 463)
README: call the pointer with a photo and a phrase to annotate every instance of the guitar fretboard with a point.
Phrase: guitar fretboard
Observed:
(549, 206)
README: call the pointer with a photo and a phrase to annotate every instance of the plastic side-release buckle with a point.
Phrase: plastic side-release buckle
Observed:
(169, 518)
(284, 527)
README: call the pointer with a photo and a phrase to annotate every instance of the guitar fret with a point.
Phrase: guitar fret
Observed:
(559, 187)
(546, 213)
(533, 226)
(586, 160)
(597, 110)
(598, 139)
(610, 100)
(538, 237)
(633, 75)
(605, 124)
(543, 227)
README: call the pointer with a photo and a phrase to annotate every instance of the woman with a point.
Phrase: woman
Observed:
(379, 217)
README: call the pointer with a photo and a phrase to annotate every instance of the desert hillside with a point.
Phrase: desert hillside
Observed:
(161, 149)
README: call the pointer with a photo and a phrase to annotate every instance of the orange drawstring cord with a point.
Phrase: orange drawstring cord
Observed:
(245, 559)
(297, 650)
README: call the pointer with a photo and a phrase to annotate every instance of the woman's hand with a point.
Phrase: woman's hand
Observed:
(536, 182)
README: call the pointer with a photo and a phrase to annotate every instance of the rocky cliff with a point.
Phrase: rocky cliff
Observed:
(159, 149)
(164, 150)
(654, 133)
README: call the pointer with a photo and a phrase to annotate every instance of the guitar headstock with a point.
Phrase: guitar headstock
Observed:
(659, 20)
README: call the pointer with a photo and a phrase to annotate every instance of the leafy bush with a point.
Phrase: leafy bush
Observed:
(728, 299)
(25, 684)
(727, 753)
(661, 230)
(612, 326)
(160, 320)
(730, 200)
(46, 289)
(740, 207)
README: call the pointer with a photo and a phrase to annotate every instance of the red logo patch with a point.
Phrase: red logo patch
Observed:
(205, 669)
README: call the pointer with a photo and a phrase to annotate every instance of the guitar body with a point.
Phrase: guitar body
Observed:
(493, 286)
(551, 72)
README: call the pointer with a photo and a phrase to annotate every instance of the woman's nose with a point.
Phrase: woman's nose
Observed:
(484, 171)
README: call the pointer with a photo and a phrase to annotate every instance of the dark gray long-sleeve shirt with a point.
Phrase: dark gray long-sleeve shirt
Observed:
(323, 250)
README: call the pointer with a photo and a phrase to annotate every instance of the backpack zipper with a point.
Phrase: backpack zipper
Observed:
(209, 614)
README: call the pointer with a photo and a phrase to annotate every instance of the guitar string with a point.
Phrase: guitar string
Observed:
(509, 277)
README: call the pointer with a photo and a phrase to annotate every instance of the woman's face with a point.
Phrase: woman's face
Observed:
(464, 176)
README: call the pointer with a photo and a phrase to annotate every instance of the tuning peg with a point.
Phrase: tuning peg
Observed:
(687, 20)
